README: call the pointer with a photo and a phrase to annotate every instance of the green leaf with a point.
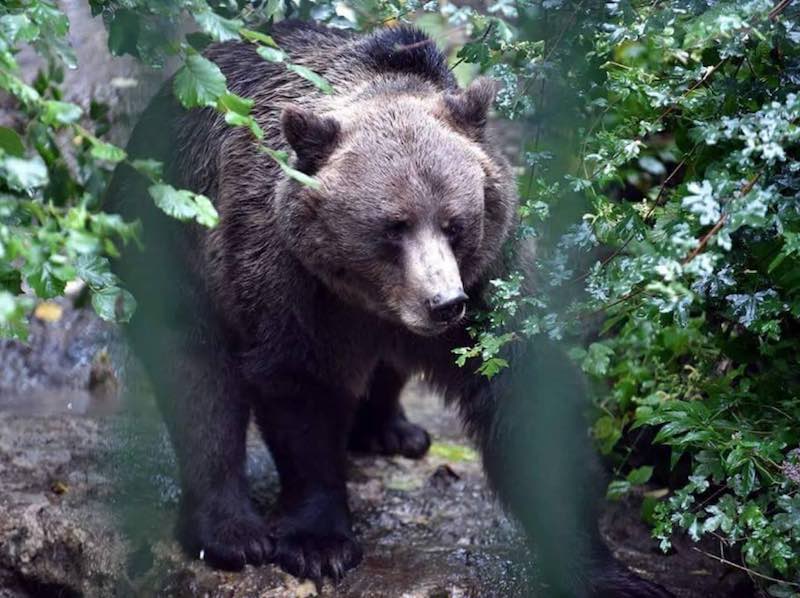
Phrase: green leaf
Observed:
(237, 110)
(45, 280)
(234, 103)
(281, 158)
(199, 82)
(184, 205)
(11, 143)
(178, 203)
(640, 475)
(258, 37)
(452, 452)
(81, 242)
(106, 151)
(205, 213)
(648, 510)
(10, 279)
(271, 54)
(607, 431)
(310, 75)
(597, 359)
(18, 28)
(113, 304)
(152, 169)
(492, 366)
(745, 481)
(218, 27)
(95, 271)
(112, 224)
(721, 516)
(617, 489)
(56, 113)
(789, 520)
(237, 120)
(13, 315)
(23, 174)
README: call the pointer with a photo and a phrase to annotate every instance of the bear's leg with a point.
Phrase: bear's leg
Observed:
(305, 425)
(529, 425)
(207, 415)
(381, 425)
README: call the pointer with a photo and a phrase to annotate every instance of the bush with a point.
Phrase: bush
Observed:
(660, 182)
(685, 265)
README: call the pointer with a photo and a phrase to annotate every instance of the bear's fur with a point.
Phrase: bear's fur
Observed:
(309, 308)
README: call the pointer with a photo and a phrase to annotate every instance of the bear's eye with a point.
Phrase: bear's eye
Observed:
(395, 229)
(452, 228)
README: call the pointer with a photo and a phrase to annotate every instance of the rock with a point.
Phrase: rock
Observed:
(54, 543)
(65, 367)
(443, 477)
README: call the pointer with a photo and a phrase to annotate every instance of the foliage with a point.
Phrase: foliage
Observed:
(54, 168)
(679, 284)
(660, 183)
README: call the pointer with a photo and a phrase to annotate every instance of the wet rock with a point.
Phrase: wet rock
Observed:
(443, 477)
(64, 367)
(54, 539)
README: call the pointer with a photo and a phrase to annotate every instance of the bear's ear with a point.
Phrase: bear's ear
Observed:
(468, 109)
(312, 137)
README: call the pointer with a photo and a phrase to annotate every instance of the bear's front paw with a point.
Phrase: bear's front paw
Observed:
(225, 534)
(314, 555)
(397, 436)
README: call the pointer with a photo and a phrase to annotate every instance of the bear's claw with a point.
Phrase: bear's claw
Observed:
(225, 539)
(312, 556)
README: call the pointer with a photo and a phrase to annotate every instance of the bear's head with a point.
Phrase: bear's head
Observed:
(412, 207)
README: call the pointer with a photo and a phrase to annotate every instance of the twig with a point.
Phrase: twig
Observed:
(481, 40)
(745, 569)
(694, 86)
(623, 299)
(670, 109)
(561, 33)
(773, 14)
(550, 52)
(706, 238)
(716, 228)
(779, 8)
(649, 213)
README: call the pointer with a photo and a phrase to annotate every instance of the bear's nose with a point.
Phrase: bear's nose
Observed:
(447, 307)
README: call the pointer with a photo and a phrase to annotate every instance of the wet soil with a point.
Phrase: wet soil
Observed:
(90, 491)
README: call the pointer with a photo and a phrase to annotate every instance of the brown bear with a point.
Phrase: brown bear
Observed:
(309, 308)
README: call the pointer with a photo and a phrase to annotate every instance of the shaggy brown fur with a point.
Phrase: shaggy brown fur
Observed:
(309, 308)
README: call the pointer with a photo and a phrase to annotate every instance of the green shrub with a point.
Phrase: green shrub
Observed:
(681, 149)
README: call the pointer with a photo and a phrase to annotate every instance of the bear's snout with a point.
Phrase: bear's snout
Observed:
(446, 308)
(433, 296)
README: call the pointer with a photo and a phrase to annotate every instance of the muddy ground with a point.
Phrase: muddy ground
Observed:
(89, 495)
